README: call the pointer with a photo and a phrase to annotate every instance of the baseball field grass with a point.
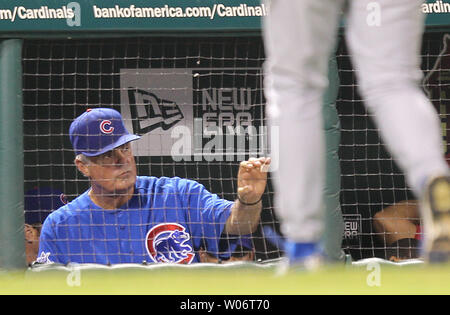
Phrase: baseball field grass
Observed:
(241, 279)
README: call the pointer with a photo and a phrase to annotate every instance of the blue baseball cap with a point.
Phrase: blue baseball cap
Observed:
(98, 131)
(40, 202)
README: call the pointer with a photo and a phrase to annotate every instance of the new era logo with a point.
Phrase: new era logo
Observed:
(149, 112)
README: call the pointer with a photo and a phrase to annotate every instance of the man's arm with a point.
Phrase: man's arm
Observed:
(397, 221)
(47, 244)
(246, 210)
(243, 219)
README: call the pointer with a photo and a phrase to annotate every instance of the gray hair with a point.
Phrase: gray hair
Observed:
(82, 158)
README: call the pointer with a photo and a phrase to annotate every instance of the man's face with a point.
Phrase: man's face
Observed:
(32, 233)
(114, 172)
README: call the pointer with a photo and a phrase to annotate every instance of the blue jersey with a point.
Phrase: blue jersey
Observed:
(166, 220)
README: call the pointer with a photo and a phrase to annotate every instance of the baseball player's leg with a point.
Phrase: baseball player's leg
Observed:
(386, 57)
(386, 54)
(299, 37)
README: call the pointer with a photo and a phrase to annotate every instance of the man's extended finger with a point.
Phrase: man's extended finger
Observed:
(260, 163)
(246, 164)
(266, 165)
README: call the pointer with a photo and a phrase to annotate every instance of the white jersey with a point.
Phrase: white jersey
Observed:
(384, 40)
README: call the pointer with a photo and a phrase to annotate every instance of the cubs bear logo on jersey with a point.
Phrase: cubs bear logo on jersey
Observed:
(168, 243)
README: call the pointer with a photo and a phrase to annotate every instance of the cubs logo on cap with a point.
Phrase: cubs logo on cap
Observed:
(168, 243)
(98, 131)
(105, 127)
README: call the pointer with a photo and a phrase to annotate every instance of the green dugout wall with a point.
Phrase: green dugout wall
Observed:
(45, 42)
(11, 154)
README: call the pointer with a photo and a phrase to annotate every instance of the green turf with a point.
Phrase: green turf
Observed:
(241, 280)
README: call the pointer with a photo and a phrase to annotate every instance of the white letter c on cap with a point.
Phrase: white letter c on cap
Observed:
(105, 127)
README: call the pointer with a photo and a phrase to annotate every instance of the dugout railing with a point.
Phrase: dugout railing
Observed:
(58, 59)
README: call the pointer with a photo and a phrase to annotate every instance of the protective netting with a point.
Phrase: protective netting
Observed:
(214, 88)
